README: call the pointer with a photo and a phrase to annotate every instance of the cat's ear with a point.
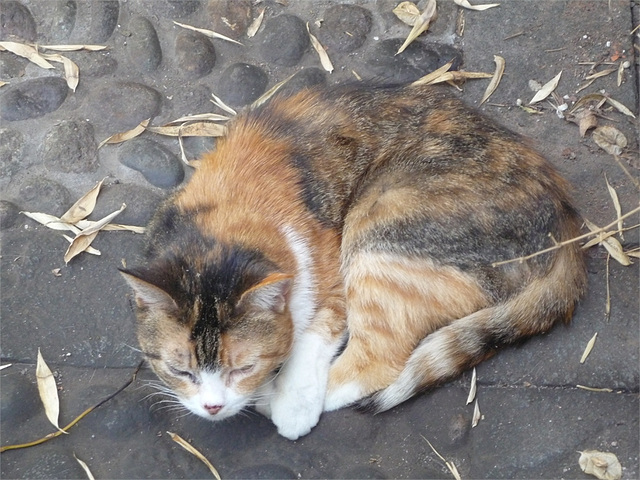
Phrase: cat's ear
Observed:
(146, 293)
(270, 294)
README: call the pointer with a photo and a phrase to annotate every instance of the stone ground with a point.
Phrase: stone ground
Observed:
(535, 418)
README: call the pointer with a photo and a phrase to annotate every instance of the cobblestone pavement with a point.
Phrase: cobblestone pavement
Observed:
(535, 418)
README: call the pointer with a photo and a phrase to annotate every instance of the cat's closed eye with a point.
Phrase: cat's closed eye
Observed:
(183, 373)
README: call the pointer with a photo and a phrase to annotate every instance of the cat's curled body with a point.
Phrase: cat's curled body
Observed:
(367, 214)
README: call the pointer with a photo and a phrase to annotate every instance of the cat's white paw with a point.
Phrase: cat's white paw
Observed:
(296, 411)
(342, 396)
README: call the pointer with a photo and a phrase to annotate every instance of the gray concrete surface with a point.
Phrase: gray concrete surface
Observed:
(535, 419)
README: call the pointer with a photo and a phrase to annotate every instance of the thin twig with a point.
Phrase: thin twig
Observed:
(568, 242)
(75, 420)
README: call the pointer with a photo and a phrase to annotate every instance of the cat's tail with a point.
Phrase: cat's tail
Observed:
(465, 342)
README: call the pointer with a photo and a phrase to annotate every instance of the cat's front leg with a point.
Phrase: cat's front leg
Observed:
(300, 387)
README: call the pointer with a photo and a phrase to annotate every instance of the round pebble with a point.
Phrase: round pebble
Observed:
(345, 28)
(417, 60)
(195, 55)
(9, 214)
(11, 151)
(284, 40)
(70, 147)
(104, 19)
(16, 23)
(305, 78)
(120, 106)
(39, 194)
(159, 166)
(241, 83)
(143, 47)
(33, 98)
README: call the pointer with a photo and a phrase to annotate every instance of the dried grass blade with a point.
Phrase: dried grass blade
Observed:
(603, 73)
(85, 467)
(421, 24)
(271, 92)
(128, 135)
(616, 204)
(196, 129)
(466, 4)
(26, 51)
(476, 415)
(210, 117)
(452, 468)
(456, 76)
(48, 390)
(588, 348)
(546, 89)
(74, 48)
(430, 77)
(255, 25)
(219, 103)
(620, 107)
(208, 33)
(189, 448)
(84, 206)
(495, 80)
(595, 389)
(472, 389)
(322, 53)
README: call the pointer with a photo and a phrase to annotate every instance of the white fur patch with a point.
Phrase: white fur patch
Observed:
(213, 391)
(342, 396)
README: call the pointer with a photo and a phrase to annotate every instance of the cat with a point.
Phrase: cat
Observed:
(336, 248)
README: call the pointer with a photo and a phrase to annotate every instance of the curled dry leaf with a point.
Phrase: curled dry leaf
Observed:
(208, 33)
(85, 467)
(71, 70)
(48, 390)
(255, 25)
(466, 4)
(602, 465)
(495, 80)
(26, 51)
(407, 12)
(588, 348)
(84, 206)
(476, 415)
(128, 135)
(322, 53)
(586, 120)
(421, 24)
(616, 204)
(192, 450)
(83, 240)
(472, 389)
(546, 89)
(610, 139)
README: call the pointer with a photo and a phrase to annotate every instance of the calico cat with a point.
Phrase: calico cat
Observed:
(366, 215)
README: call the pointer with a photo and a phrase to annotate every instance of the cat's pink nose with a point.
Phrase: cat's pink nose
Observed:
(212, 409)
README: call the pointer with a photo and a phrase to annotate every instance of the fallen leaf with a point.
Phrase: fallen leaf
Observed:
(594, 389)
(189, 448)
(602, 465)
(85, 467)
(457, 75)
(586, 120)
(208, 33)
(588, 348)
(56, 272)
(620, 107)
(407, 12)
(2, 84)
(216, 101)
(620, 73)
(421, 24)
(71, 70)
(73, 48)
(255, 25)
(495, 80)
(26, 51)
(271, 92)
(5, 366)
(472, 389)
(196, 129)
(546, 89)
(128, 135)
(90, 250)
(48, 390)
(211, 117)
(466, 4)
(430, 77)
(611, 244)
(476, 415)
(51, 221)
(610, 139)
(616, 204)
(603, 73)
(322, 53)
(83, 240)
(84, 206)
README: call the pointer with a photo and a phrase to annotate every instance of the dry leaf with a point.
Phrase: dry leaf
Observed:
(610, 139)
(219, 103)
(85, 467)
(430, 77)
(457, 75)
(210, 117)
(128, 135)
(603, 73)
(51, 221)
(620, 73)
(208, 33)
(322, 53)
(546, 89)
(495, 80)
(71, 70)
(421, 24)
(603, 465)
(196, 129)
(271, 92)
(189, 448)
(84, 206)
(616, 204)
(594, 389)
(620, 107)
(476, 415)
(588, 348)
(586, 120)
(2, 84)
(73, 48)
(255, 25)
(466, 4)
(5, 366)
(83, 240)
(89, 249)
(26, 51)
(611, 244)
(407, 12)
(472, 389)
(48, 390)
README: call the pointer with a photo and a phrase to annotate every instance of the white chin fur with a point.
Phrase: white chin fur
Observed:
(213, 391)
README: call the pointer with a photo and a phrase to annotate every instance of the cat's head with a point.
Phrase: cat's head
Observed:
(213, 332)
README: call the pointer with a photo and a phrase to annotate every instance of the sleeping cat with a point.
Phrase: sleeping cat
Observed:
(365, 215)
